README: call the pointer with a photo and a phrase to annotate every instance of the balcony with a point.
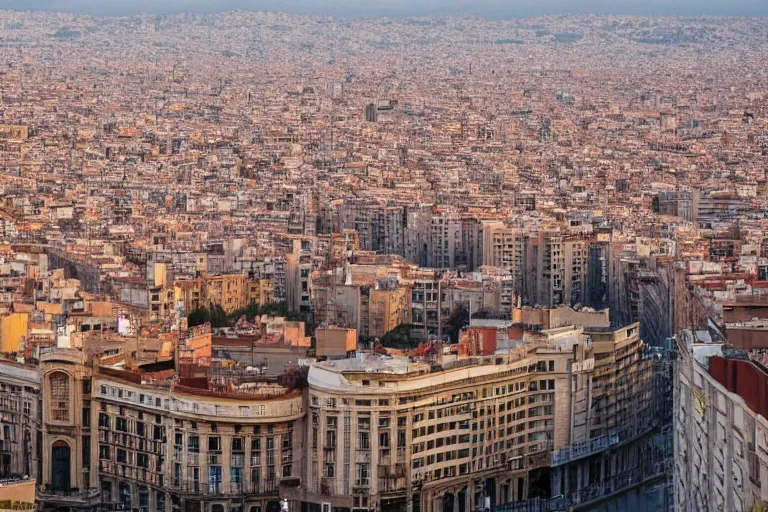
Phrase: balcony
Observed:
(69, 497)
(534, 505)
(583, 449)
(620, 483)
(270, 486)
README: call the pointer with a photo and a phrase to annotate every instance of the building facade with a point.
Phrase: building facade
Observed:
(113, 439)
(401, 438)
(720, 428)
(19, 421)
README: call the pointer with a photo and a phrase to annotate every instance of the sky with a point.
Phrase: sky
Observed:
(396, 8)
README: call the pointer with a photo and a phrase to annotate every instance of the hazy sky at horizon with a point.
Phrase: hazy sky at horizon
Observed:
(375, 8)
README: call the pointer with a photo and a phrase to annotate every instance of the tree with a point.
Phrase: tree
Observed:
(219, 317)
(198, 316)
(253, 310)
(399, 337)
(457, 321)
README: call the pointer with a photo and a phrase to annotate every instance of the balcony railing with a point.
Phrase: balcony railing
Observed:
(583, 449)
(598, 444)
(74, 495)
(619, 483)
(220, 489)
(534, 505)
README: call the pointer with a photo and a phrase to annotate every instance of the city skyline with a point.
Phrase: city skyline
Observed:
(272, 262)
(491, 9)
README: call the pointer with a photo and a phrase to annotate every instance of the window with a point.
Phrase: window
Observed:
(160, 502)
(86, 446)
(328, 472)
(214, 479)
(364, 441)
(125, 496)
(59, 383)
(193, 444)
(362, 473)
(214, 444)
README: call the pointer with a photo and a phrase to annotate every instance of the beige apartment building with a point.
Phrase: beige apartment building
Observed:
(557, 269)
(226, 290)
(388, 308)
(112, 438)
(504, 247)
(555, 407)
(387, 435)
(19, 420)
(259, 291)
(621, 393)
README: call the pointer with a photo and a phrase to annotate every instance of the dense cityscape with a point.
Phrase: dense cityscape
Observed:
(263, 262)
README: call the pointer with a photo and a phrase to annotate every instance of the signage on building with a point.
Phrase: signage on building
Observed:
(584, 366)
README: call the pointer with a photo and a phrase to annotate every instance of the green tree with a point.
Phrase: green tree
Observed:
(219, 317)
(253, 310)
(399, 337)
(198, 317)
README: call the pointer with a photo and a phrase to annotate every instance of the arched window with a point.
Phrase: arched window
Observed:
(59, 383)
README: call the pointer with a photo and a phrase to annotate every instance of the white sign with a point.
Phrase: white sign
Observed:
(584, 366)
